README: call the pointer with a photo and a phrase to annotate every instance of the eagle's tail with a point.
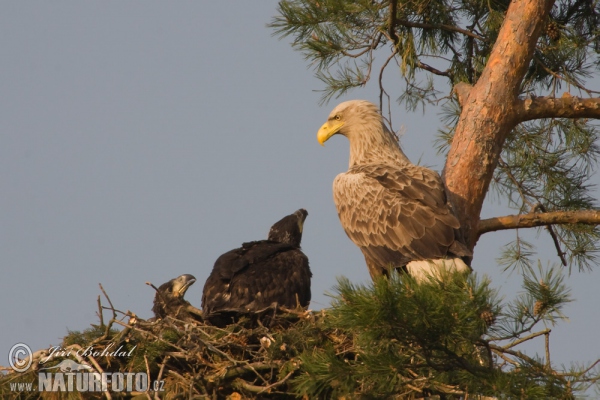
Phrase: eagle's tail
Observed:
(423, 271)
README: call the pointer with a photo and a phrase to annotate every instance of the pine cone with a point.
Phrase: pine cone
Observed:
(488, 317)
(553, 31)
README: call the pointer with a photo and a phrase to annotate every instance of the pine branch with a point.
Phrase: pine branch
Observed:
(565, 107)
(588, 217)
(449, 28)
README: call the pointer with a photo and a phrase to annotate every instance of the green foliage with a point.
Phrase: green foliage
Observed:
(546, 165)
(399, 335)
(541, 301)
(87, 336)
(446, 38)
(397, 339)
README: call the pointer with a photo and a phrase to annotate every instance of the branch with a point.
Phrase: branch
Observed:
(444, 27)
(565, 107)
(392, 30)
(588, 217)
(526, 338)
(261, 389)
(462, 90)
(433, 70)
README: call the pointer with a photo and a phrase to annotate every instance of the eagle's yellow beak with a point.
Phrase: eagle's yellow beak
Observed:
(328, 129)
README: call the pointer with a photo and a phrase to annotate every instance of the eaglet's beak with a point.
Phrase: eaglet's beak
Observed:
(301, 214)
(182, 284)
(329, 129)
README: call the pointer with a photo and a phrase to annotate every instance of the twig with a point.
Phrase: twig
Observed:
(260, 389)
(382, 91)
(547, 343)
(561, 254)
(100, 313)
(562, 78)
(92, 360)
(109, 301)
(433, 70)
(112, 320)
(517, 354)
(160, 372)
(526, 338)
(148, 374)
(504, 357)
(145, 332)
(392, 23)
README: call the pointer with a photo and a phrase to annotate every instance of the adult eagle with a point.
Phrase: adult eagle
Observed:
(168, 299)
(260, 274)
(394, 211)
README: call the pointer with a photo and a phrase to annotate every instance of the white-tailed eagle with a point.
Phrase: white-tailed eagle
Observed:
(394, 211)
(169, 300)
(260, 274)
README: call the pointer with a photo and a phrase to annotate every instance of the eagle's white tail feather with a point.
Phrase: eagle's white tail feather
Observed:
(422, 270)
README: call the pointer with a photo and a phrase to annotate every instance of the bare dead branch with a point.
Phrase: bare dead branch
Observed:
(160, 374)
(152, 285)
(526, 338)
(109, 301)
(381, 89)
(92, 361)
(566, 106)
(547, 346)
(559, 252)
(531, 220)
(100, 314)
(261, 389)
(433, 70)
(499, 349)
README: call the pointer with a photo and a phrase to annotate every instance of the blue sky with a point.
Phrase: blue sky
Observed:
(139, 141)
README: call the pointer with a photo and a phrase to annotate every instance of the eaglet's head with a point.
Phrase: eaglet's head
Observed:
(170, 295)
(289, 228)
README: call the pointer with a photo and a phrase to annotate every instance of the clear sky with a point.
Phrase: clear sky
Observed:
(141, 140)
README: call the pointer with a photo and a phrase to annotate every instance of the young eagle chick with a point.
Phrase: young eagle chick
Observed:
(260, 274)
(394, 211)
(168, 299)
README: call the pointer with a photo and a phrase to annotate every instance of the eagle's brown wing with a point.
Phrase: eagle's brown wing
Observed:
(395, 215)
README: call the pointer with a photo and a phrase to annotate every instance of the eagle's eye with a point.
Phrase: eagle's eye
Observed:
(337, 117)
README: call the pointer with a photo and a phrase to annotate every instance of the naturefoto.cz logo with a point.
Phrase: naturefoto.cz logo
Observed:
(69, 375)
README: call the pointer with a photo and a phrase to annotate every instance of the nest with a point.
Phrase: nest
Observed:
(255, 357)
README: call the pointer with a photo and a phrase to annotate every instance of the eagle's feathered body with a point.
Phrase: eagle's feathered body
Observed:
(262, 273)
(394, 211)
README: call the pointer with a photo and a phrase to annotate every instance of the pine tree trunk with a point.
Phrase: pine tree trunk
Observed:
(489, 112)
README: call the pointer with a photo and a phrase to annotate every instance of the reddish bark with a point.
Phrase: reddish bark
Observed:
(565, 107)
(590, 217)
(489, 112)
